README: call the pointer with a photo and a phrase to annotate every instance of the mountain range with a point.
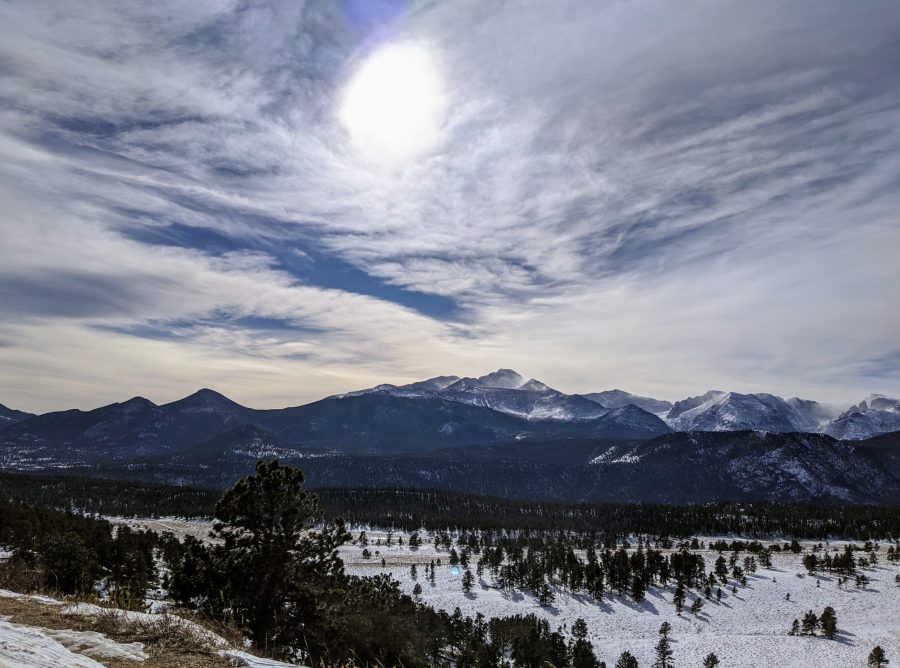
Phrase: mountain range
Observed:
(445, 411)
(206, 437)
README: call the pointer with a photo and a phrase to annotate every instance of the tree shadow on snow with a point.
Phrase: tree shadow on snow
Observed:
(840, 637)
(514, 596)
(639, 606)
(587, 599)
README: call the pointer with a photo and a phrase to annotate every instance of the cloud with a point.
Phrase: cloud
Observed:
(641, 195)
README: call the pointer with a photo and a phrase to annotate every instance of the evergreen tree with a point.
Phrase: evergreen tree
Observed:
(637, 588)
(581, 653)
(877, 658)
(810, 623)
(279, 576)
(810, 562)
(795, 628)
(828, 620)
(711, 661)
(696, 606)
(678, 600)
(467, 581)
(69, 566)
(627, 660)
(417, 590)
(579, 628)
(545, 594)
(722, 569)
(663, 648)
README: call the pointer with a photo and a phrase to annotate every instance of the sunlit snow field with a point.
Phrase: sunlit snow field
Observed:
(746, 629)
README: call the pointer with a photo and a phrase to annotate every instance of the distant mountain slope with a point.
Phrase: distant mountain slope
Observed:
(129, 430)
(619, 398)
(876, 414)
(382, 420)
(680, 468)
(9, 415)
(732, 411)
(505, 391)
(443, 412)
(718, 410)
(746, 464)
(532, 404)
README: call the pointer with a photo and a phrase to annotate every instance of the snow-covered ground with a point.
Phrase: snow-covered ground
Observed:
(746, 629)
(178, 526)
(23, 646)
(28, 647)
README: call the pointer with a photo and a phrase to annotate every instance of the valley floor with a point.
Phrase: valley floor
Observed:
(749, 628)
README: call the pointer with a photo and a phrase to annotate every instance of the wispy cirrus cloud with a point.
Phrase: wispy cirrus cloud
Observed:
(641, 195)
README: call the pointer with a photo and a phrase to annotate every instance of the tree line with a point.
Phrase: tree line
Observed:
(435, 510)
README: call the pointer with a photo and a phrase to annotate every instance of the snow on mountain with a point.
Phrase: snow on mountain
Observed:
(505, 379)
(503, 390)
(533, 385)
(507, 391)
(619, 398)
(404, 391)
(432, 384)
(876, 414)
(532, 404)
(732, 411)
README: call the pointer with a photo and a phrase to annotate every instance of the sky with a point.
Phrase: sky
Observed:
(285, 200)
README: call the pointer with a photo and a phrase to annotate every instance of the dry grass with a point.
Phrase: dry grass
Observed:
(168, 643)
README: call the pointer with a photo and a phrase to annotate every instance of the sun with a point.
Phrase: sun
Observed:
(393, 105)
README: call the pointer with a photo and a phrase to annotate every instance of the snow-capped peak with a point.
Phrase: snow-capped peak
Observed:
(504, 379)
(728, 411)
(536, 386)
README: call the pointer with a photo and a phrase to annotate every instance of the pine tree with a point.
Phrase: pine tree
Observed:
(711, 661)
(579, 628)
(637, 588)
(795, 628)
(545, 595)
(69, 566)
(278, 574)
(467, 581)
(722, 569)
(810, 562)
(810, 623)
(828, 620)
(663, 648)
(627, 660)
(678, 600)
(696, 606)
(417, 590)
(877, 658)
(581, 653)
